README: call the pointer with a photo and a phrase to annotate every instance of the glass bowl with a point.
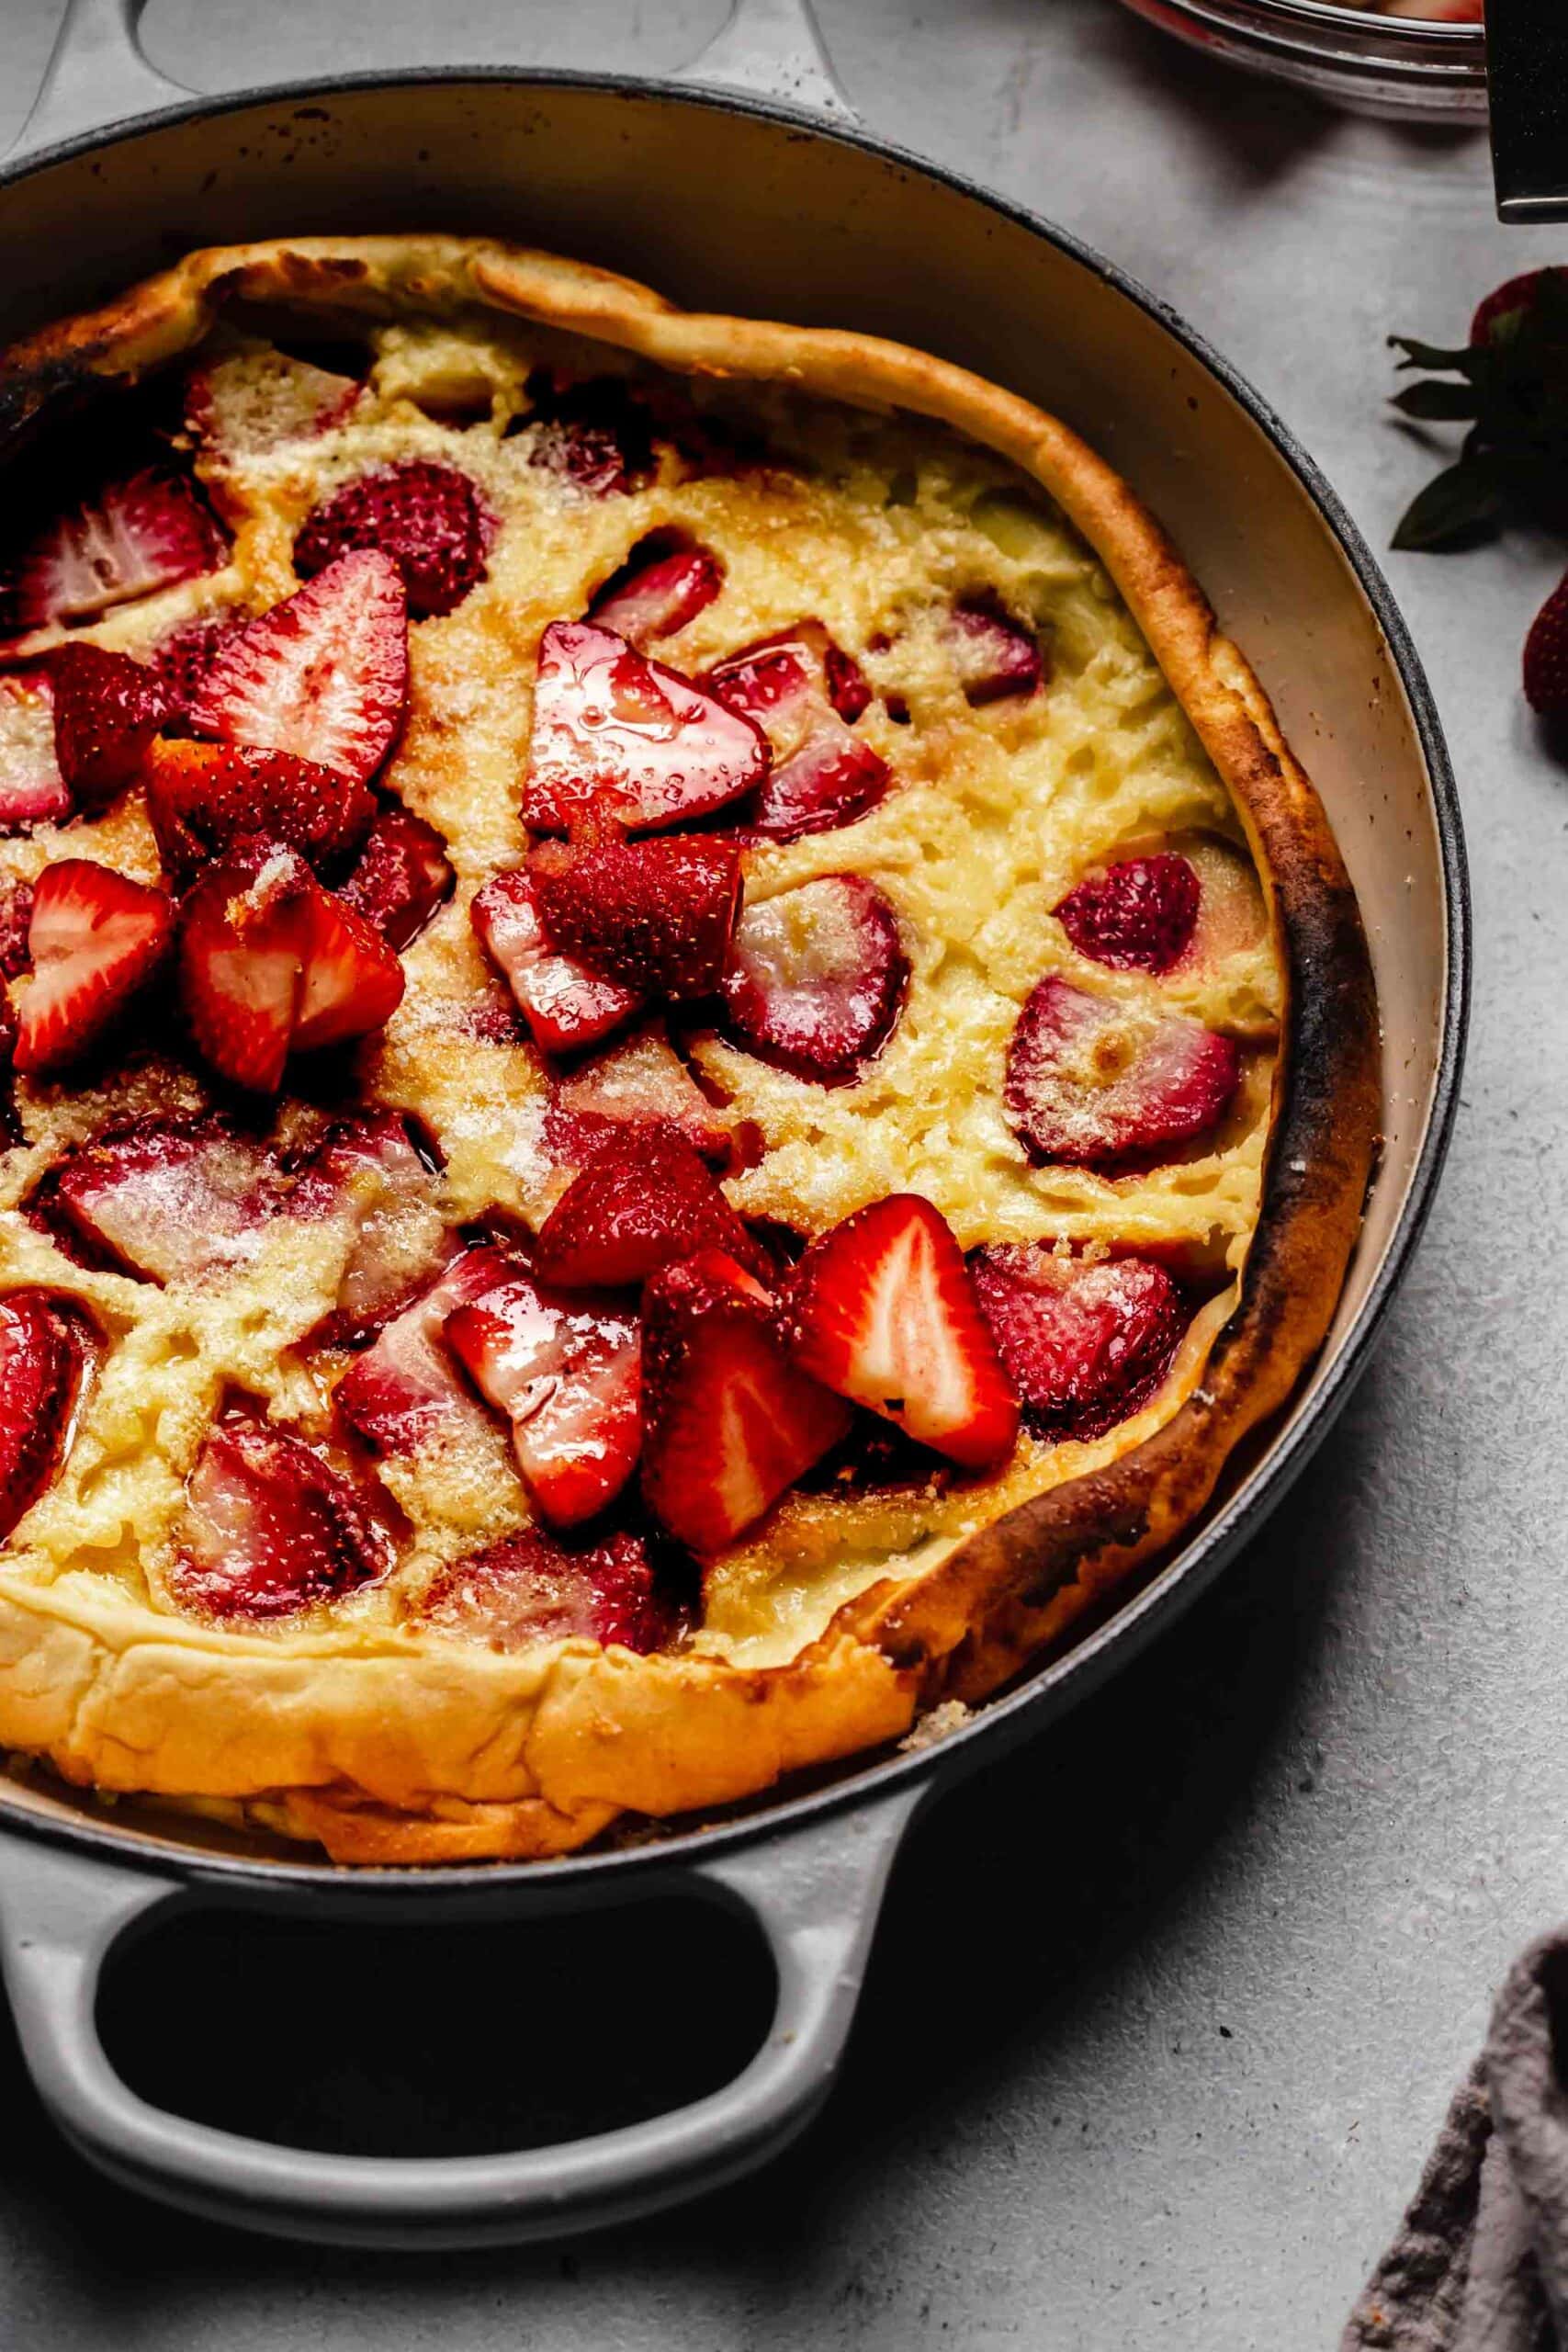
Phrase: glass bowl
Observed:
(1406, 67)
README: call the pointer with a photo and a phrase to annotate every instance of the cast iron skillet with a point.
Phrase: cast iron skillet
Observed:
(730, 202)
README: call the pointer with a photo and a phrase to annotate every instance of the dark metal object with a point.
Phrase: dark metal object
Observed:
(1527, 68)
(626, 173)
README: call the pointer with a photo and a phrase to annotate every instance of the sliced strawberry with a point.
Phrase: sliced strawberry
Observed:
(16, 915)
(995, 653)
(642, 1199)
(270, 1527)
(94, 938)
(367, 1168)
(1181, 902)
(774, 680)
(353, 981)
(566, 1374)
(1091, 1080)
(203, 797)
(170, 1199)
(1232, 917)
(833, 780)
(184, 658)
(567, 1007)
(532, 1587)
(430, 520)
(271, 963)
(106, 710)
(324, 674)
(402, 875)
(641, 1081)
(882, 1310)
(1085, 1345)
(1138, 915)
(135, 537)
(731, 1422)
(42, 1361)
(801, 689)
(597, 434)
(406, 1389)
(241, 956)
(664, 582)
(32, 790)
(817, 977)
(621, 738)
(655, 916)
(259, 401)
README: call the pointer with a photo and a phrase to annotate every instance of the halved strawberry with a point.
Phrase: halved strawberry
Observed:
(533, 1587)
(271, 963)
(169, 1199)
(567, 1007)
(324, 674)
(94, 938)
(270, 1527)
(15, 914)
(184, 658)
(108, 709)
(430, 520)
(882, 1310)
(641, 1199)
(655, 916)
(203, 797)
(664, 582)
(1138, 915)
(597, 434)
(566, 1374)
(406, 1389)
(400, 876)
(801, 689)
(135, 537)
(367, 1168)
(817, 977)
(32, 790)
(41, 1362)
(257, 400)
(620, 738)
(641, 1082)
(1091, 1080)
(996, 655)
(731, 1422)
(1085, 1345)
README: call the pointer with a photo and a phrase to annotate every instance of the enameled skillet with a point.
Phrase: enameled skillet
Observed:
(726, 199)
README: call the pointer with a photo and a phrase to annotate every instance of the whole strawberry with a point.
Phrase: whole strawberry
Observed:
(1546, 655)
(428, 519)
(1509, 386)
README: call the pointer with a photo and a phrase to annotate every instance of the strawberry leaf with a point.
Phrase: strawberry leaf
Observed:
(1430, 355)
(1457, 507)
(1444, 402)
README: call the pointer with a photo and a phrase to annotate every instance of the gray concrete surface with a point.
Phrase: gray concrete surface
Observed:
(1166, 2011)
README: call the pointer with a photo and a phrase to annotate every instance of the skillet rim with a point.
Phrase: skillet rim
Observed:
(1044, 1695)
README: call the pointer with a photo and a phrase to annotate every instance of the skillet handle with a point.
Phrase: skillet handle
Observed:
(99, 73)
(773, 47)
(815, 1894)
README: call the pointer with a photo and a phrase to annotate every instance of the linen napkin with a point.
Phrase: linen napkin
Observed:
(1479, 2263)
